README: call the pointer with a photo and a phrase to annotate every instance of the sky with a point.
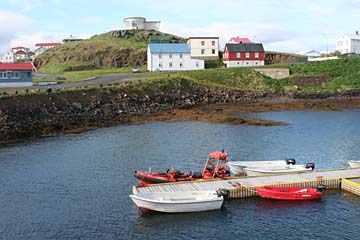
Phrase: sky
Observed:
(281, 25)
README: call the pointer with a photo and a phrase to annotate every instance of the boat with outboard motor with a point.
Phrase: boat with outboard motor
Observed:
(354, 163)
(290, 193)
(180, 202)
(214, 168)
(260, 171)
(237, 167)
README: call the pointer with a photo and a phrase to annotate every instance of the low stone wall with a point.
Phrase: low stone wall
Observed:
(275, 73)
(30, 116)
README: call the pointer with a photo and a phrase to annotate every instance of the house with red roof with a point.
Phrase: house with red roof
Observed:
(243, 54)
(16, 54)
(16, 74)
(239, 40)
(42, 47)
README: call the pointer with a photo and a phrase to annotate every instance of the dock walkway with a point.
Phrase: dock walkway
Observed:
(245, 186)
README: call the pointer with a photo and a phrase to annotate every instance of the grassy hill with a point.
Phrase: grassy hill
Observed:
(115, 49)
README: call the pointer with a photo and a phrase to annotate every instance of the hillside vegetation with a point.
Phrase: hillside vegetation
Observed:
(343, 73)
(116, 49)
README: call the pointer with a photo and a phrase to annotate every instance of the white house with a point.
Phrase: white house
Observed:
(349, 43)
(140, 23)
(8, 57)
(16, 54)
(42, 47)
(310, 53)
(204, 47)
(171, 57)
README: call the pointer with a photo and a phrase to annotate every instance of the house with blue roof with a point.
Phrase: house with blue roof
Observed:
(171, 57)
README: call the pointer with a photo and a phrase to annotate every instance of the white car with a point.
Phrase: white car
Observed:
(136, 70)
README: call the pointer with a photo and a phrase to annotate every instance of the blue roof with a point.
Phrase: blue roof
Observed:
(169, 48)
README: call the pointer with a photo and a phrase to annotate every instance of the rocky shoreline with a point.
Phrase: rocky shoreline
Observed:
(32, 116)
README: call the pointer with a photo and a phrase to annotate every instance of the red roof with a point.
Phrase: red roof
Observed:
(47, 44)
(239, 40)
(19, 48)
(16, 66)
(20, 52)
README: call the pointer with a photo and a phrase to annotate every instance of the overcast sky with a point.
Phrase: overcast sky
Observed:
(281, 25)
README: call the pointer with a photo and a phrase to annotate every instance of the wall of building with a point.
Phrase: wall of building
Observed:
(248, 63)
(204, 47)
(275, 73)
(173, 62)
(15, 78)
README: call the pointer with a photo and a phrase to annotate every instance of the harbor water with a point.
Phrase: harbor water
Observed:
(77, 186)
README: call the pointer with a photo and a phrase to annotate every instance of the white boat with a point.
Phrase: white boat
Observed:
(178, 202)
(279, 169)
(237, 167)
(354, 163)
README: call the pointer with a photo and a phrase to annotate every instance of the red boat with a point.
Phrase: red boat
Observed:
(214, 168)
(290, 193)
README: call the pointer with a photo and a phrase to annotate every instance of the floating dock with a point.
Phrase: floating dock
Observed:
(351, 185)
(241, 187)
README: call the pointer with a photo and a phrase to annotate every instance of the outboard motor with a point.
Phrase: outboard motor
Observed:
(223, 192)
(290, 161)
(310, 165)
(321, 187)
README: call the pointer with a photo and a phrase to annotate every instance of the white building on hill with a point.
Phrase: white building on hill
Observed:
(171, 57)
(140, 23)
(349, 43)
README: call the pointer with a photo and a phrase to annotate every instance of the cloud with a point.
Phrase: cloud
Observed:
(10, 24)
(258, 32)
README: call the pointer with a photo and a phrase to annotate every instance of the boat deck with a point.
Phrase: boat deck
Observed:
(245, 186)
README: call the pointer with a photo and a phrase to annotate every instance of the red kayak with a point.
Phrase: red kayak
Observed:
(214, 168)
(290, 193)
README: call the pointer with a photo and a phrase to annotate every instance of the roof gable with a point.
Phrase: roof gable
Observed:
(244, 47)
(169, 48)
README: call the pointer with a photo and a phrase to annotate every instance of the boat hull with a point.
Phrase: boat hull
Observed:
(274, 171)
(354, 163)
(237, 167)
(176, 203)
(289, 193)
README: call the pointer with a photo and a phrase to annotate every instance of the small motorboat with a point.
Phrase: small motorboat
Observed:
(290, 193)
(259, 171)
(179, 202)
(354, 163)
(237, 167)
(214, 168)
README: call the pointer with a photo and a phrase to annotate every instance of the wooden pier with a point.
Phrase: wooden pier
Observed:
(351, 185)
(240, 187)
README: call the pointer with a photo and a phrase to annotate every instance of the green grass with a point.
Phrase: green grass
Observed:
(344, 73)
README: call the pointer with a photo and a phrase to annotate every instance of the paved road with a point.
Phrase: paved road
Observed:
(96, 81)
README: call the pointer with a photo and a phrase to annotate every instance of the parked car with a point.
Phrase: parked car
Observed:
(136, 70)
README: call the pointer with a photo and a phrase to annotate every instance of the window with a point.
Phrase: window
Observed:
(181, 65)
(197, 65)
(10, 74)
(238, 55)
(160, 65)
(213, 51)
(256, 55)
(3, 75)
(180, 55)
(160, 55)
(213, 43)
(29, 74)
(16, 74)
(170, 55)
(202, 43)
(170, 64)
(247, 55)
(202, 51)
